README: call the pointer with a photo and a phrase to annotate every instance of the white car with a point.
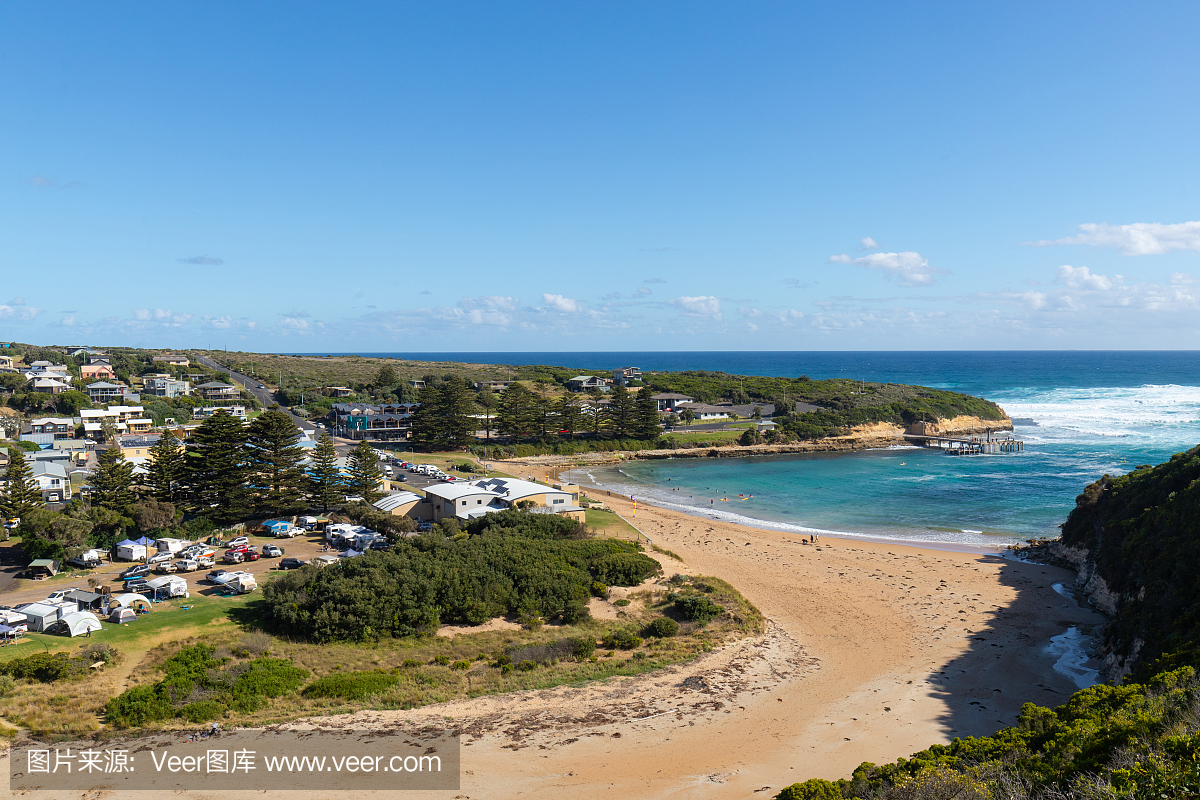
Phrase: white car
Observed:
(239, 540)
(161, 558)
(187, 565)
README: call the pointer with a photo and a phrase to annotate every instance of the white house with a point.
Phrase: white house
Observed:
(704, 410)
(52, 480)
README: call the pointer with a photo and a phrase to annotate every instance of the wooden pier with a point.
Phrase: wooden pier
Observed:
(973, 445)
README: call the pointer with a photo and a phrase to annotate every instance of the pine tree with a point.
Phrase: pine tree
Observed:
(217, 471)
(444, 420)
(21, 493)
(365, 474)
(486, 403)
(326, 484)
(620, 412)
(570, 415)
(647, 414)
(112, 483)
(274, 462)
(166, 468)
(516, 412)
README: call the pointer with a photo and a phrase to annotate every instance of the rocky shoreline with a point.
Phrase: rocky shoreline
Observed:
(863, 437)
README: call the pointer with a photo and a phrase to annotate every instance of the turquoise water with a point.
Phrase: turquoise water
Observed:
(1080, 414)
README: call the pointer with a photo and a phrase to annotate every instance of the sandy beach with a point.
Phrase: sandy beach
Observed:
(873, 651)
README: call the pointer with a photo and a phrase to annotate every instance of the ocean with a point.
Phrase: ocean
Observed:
(1081, 414)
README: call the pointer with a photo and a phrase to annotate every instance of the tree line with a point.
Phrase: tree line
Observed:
(451, 413)
(226, 472)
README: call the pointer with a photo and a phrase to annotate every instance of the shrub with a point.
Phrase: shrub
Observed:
(351, 685)
(201, 711)
(461, 665)
(442, 660)
(506, 668)
(582, 647)
(43, 667)
(662, 628)
(599, 589)
(622, 639)
(698, 609)
(6, 685)
(527, 666)
(408, 663)
(624, 601)
(624, 569)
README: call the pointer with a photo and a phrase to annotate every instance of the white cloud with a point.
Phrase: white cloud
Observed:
(1035, 300)
(911, 268)
(748, 311)
(18, 312)
(869, 243)
(1183, 278)
(493, 302)
(294, 323)
(752, 327)
(1082, 278)
(644, 292)
(565, 305)
(1138, 239)
(68, 321)
(790, 316)
(703, 306)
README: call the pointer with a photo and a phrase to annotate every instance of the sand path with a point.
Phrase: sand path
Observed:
(874, 651)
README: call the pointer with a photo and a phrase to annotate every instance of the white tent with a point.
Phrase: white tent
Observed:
(127, 600)
(78, 623)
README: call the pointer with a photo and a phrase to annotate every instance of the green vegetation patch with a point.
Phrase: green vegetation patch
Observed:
(537, 566)
(352, 685)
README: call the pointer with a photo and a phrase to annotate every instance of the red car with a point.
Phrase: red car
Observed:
(240, 548)
(251, 555)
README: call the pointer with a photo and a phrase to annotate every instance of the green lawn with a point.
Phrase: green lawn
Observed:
(205, 614)
(608, 523)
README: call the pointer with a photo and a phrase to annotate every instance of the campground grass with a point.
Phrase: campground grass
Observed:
(607, 523)
(424, 669)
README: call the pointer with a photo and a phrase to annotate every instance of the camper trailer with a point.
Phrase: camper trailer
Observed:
(169, 586)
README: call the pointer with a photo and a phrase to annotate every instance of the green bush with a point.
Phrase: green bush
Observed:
(351, 685)
(662, 628)
(6, 685)
(43, 667)
(535, 566)
(622, 639)
(408, 663)
(461, 665)
(698, 609)
(624, 601)
(599, 589)
(201, 711)
(583, 647)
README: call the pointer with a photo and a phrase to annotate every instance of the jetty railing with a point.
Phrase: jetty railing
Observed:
(973, 445)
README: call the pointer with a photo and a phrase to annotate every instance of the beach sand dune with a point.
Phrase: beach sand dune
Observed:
(873, 651)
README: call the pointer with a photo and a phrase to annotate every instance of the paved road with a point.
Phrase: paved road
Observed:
(264, 395)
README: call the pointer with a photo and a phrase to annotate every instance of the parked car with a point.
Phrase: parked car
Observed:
(165, 567)
(237, 541)
(60, 594)
(137, 586)
(381, 545)
(401, 478)
(233, 557)
(272, 551)
(136, 571)
(187, 565)
(239, 548)
(290, 533)
(206, 561)
(291, 563)
(216, 575)
(250, 555)
(161, 558)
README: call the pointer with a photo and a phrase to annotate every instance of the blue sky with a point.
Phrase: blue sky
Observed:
(600, 176)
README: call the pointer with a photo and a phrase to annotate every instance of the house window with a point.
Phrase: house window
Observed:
(478, 502)
(560, 500)
(464, 502)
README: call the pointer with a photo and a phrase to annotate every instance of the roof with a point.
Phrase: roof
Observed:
(47, 468)
(394, 501)
(214, 385)
(456, 490)
(669, 396)
(584, 378)
(39, 609)
(44, 420)
(706, 408)
(513, 490)
(165, 580)
(81, 596)
(42, 562)
(103, 385)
